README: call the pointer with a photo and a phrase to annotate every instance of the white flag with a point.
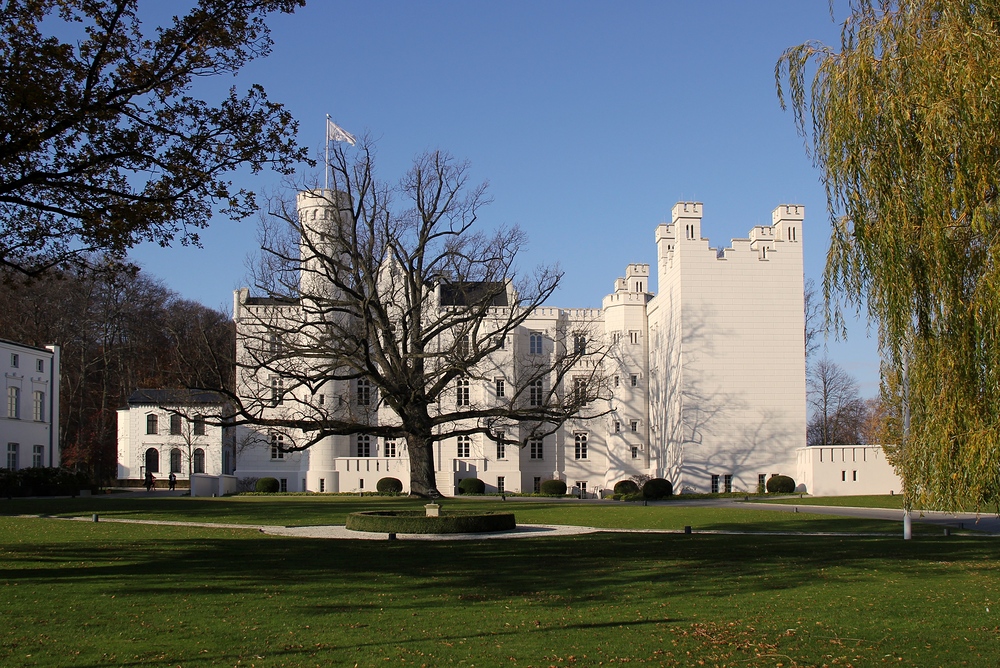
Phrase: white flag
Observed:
(336, 133)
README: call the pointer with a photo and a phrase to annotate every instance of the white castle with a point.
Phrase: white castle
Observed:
(708, 392)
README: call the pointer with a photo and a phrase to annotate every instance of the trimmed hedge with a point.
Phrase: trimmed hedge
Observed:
(471, 486)
(43, 481)
(553, 487)
(268, 485)
(416, 521)
(626, 487)
(389, 486)
(780, 484)
(657, 488)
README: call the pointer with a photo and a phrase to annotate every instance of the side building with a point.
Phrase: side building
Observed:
(29, 422)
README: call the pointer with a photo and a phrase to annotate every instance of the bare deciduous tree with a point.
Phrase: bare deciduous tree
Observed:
(838, 413)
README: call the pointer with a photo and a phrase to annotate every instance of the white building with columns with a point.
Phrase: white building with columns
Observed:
(707, 385)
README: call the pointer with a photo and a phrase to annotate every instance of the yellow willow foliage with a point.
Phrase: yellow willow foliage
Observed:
(904, 123)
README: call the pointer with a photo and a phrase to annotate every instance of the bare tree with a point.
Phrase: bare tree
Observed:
(402, 315)
(838, 411)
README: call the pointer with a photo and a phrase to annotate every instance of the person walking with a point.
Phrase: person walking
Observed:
(150, 481)
(173, 481)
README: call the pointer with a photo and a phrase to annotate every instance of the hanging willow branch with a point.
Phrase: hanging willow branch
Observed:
(904, 123)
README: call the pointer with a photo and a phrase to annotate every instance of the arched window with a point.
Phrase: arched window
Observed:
(152, 423)
(153, 459)
(199, 460)
(175, 460)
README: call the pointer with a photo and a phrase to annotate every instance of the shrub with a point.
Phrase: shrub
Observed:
(246, 485)
(624, 487)
(268, 485)
(780, 484)
(389, 486)
(416, 521)
(553, 487)
(471, 486)
(657, 488)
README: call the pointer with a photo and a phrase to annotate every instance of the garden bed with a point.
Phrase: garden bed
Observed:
(416, 521)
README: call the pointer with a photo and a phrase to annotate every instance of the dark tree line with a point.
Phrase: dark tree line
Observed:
(118, 330)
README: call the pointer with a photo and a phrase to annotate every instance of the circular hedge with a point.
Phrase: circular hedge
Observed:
(657, 488)
(389, 486)
(780, 484)
(626, 487)
(553, 487)
(471, 486)
(268, 485)
(416, 521)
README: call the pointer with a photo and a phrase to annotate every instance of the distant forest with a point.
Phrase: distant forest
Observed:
(118, 330)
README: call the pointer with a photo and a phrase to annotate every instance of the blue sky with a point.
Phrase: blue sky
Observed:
(588, 119)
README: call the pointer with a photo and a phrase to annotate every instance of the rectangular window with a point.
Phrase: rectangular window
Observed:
(277, 446)
(39, 406)
(854, 476)
(616, 337)
(14, 360)
(364, 392)
(462, 347)
(580, 391)
(634, 424)
(501, 387)
(728, 482)
(464, 446)
(38, 456)
(580, 443)
(175, 424)
(635, 452)
(536, 484)
(463, 392)
(761, 483)
(364, 446)
(275, 390)
(199, 425)
(501, 451)
(501, 484)
(633, 337)
(322, 485)
(617, 380)
(320, 399)
(634, 378)
(843, 476)
(14, 402)
(12, 456)
(580, 344)
(152, 424)
(618, 427)
(582, 485)
(40, 366)
(390, 447)
(715, 484)
(274, 343)
(536, 449)
(535, 344)
(284, 484)
(535, 397)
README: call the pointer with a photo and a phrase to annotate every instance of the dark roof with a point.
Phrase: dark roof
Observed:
(26, 346)
(174, 397)
(472, 292)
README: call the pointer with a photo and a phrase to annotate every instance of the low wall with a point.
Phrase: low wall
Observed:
(846, 470)
(212, 485)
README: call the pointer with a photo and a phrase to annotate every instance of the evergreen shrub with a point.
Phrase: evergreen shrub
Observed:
(268, 485)
(471, 486)
(780, 484)
(657, 488)
(553, 487)
(625, 487)
(389, 486)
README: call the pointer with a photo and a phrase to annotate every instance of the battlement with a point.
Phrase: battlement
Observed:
(686, 210)
(788, 212)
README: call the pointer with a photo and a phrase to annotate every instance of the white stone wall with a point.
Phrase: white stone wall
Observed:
(133, 441)
(845, 470)
(29, 370)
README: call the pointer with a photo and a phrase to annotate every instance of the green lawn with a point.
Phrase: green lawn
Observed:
(871, 501)
(96, 594)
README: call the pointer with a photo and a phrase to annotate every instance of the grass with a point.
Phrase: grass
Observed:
(96, 594)
(894, 502)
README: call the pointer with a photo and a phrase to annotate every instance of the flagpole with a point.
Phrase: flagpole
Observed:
(326, 160)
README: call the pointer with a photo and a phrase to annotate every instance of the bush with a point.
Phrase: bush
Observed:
(471, 486)
(625, 487)
(268, 485)
(416, 521)
(553, 487)
(389, 486)
(780, 484)
(657, 488)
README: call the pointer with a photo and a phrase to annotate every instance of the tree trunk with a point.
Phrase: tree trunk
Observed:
(422, 480)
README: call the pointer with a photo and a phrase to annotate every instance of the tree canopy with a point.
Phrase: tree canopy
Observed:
(904, 123)
(102, 142)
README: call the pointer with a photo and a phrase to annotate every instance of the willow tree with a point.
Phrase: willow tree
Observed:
(904, 123)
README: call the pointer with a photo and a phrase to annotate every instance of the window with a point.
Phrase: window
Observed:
(617, 380)
(12, 456)
(501, 484)
(761, 483)
(277, 446)
(727, 480)
(618, 427)
(715, 484)
(38, 413)
(152, 460)
(175, 460)
(580, 451)
(199, 425)
(582, 485)
(634, 425)
(463, 391)
(322, 485)
(535, 344)
(14, 402)
(635, 452)
(580, 344)
(364, 446)
(283, 484)
(275, 390)
(616, 338)
(152, 423)
(38, 456)
(502, 342)
(462, 347)
(319, 399)
(40, 366)
(536, 484)
(535, 397)
(14, 359)
(199, 460)
(390, 447)
(501, 386)
(854, 476)
(501, 450)
(464, 446)
(364, 392)
(274, 343)
(634, 379)
(843, 476)
(175, 424)
(633, 337)
(536, 449)
(580, 391)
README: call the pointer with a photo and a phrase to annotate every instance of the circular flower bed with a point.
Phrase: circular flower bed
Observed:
(416, 521)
